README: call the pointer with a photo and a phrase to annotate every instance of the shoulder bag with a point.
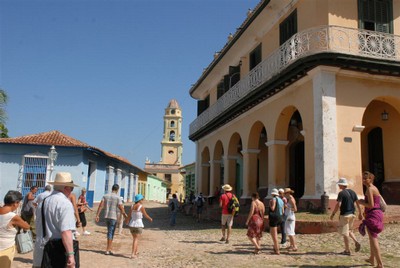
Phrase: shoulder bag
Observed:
(54, 250)
(382, 203)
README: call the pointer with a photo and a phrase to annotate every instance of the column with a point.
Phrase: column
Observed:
(230, 170)
(135, 184)
(249, 172)
(216, 177)
(212, 178)
(325, 133)
(110, 178)
(276, 163)
(119, 180)
(131, 193)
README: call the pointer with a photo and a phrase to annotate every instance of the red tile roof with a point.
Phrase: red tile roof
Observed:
(59, 139)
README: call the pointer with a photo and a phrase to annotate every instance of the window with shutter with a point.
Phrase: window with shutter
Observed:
(255, 57)
(376, 15)
(288, 27)
(220, 89)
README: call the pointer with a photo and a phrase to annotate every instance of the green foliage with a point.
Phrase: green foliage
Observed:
(3, 114)
(3, 131)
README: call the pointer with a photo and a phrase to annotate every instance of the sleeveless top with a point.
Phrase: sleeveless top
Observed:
(136, 218)
(279, 205)
(289, 213)
(7, 233)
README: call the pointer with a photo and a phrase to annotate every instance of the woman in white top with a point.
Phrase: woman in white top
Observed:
(8, 223)
(290, 222)
(135, 223)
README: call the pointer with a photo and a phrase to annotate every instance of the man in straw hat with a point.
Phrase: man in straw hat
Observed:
(226, 217)
(59, 219)
(346, 201)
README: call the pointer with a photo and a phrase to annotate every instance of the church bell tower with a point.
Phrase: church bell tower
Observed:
(171, 144)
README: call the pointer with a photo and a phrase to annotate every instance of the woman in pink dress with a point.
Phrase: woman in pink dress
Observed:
(373, 221)
(255, 222)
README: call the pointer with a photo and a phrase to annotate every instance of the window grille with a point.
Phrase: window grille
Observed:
(34, 173)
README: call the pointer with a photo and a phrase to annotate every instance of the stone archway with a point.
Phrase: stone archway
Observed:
(380, 146)
(296, 155)
(257, 160)
(234, 168)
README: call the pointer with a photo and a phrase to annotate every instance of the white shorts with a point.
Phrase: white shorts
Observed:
(227, 219)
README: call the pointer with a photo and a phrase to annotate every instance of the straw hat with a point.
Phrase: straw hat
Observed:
(342, 181)
(288, 190)
(281, 190)
(227, 188)
(63, 178)
(274, 192)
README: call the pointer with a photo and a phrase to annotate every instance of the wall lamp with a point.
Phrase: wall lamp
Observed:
(385, 115)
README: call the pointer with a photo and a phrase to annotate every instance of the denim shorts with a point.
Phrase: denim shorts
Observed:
(111, 224)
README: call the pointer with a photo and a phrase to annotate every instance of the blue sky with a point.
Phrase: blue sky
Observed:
(103, 71)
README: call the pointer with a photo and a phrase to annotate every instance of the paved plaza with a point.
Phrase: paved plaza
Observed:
(192, 244)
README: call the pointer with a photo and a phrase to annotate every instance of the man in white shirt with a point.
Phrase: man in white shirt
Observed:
(59, 220)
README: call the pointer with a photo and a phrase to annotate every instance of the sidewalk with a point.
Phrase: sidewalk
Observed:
(192, 244)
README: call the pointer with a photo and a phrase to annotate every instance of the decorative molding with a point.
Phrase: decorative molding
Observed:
(276, 142)
(251, 151)
(358, 128)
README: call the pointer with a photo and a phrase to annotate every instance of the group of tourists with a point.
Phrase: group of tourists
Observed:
(56, 221)
(281, 214)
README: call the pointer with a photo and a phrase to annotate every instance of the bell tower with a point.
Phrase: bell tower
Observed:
(171, 144)
(168, 169)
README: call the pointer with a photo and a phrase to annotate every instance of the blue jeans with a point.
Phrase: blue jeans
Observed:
(283, 232)
(173, 218)
(111, 224)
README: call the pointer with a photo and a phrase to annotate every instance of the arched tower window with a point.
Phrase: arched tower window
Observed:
(172, 124)
(172, 136)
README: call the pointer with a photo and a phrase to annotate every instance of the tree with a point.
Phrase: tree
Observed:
(3, 114)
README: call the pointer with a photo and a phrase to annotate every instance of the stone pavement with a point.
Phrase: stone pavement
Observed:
(192, 244)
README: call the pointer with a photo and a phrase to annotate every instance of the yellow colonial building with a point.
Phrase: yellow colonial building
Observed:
(304, 92)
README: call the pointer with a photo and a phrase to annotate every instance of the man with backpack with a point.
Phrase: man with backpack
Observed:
(199, 201)
(227, 212)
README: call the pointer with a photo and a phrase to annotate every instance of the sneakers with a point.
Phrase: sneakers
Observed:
(86, 233)
(77, 233)
(282, 245)
(222, 239)
(109, 253)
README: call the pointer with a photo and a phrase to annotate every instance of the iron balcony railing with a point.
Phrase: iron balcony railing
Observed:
(355, 42)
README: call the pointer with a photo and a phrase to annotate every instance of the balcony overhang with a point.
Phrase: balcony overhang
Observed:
(351, 49)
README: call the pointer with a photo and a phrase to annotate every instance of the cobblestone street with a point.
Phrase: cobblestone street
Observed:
(192, 244)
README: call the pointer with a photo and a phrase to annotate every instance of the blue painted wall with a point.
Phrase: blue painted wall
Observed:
(73, 160)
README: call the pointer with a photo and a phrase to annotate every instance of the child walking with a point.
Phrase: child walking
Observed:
(135, 223)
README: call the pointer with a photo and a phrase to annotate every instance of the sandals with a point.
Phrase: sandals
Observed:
(369, 261)
(358, 247)
(257, 251)
(347, 253)
(292, 248)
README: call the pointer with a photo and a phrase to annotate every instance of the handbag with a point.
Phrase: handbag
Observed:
(382, 203)
(54, 250)
(24, 241)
